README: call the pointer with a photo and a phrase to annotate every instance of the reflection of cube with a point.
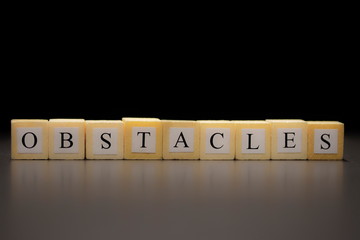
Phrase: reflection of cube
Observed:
(66, 139)
(104, 139)
(143, 138)
(325, 140)
(288, 139)
(252, 140)
(29, 139)
(217, 139)
(180, 139)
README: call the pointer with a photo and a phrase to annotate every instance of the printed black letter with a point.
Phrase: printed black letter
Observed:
(289, 139)
(327, 142)
(23, 140)
(143, 138)
(106, 141)
(182, 140)
(212, 140)
(249, 145)
(63, 139)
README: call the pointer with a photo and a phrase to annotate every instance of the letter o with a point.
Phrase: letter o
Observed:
(24, 142)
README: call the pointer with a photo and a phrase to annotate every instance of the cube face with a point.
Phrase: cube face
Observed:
(325, 140)
(288, 139)
(252, 140)
(104, 139)
(66, 139)
(29, 139)
(142, 138)
(181, 139)
(217, 140)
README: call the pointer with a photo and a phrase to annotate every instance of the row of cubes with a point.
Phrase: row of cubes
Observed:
(152, 138)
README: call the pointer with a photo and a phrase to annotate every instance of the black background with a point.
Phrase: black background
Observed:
(106, 74)
(235, 63)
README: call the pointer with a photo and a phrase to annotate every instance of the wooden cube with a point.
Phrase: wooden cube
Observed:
(181, 139)
(29, 139)
(252, 140)
(66, 139)
(104, 139)
(325, 140)
(217, 140)
(288, 139)
(142, 138)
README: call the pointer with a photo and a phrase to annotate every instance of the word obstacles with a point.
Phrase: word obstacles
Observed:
(152, 138)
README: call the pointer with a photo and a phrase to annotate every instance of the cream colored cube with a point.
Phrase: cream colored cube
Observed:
(29, 139)
(217, 140)
(325, 140)
(181, 139)
(104, 139)
(66, 139)
(252, 140)
(142, 138)
(288, 139)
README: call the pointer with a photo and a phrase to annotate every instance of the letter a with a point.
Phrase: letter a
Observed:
(182, 140)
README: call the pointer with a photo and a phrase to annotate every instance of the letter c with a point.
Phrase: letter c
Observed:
(212, 140)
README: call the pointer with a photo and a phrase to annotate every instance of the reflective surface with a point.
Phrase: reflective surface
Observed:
(181, 199)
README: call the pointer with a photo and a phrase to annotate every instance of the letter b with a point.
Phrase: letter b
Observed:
(66, 140)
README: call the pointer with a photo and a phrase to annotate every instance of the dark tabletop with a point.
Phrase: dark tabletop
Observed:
(122, 199)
